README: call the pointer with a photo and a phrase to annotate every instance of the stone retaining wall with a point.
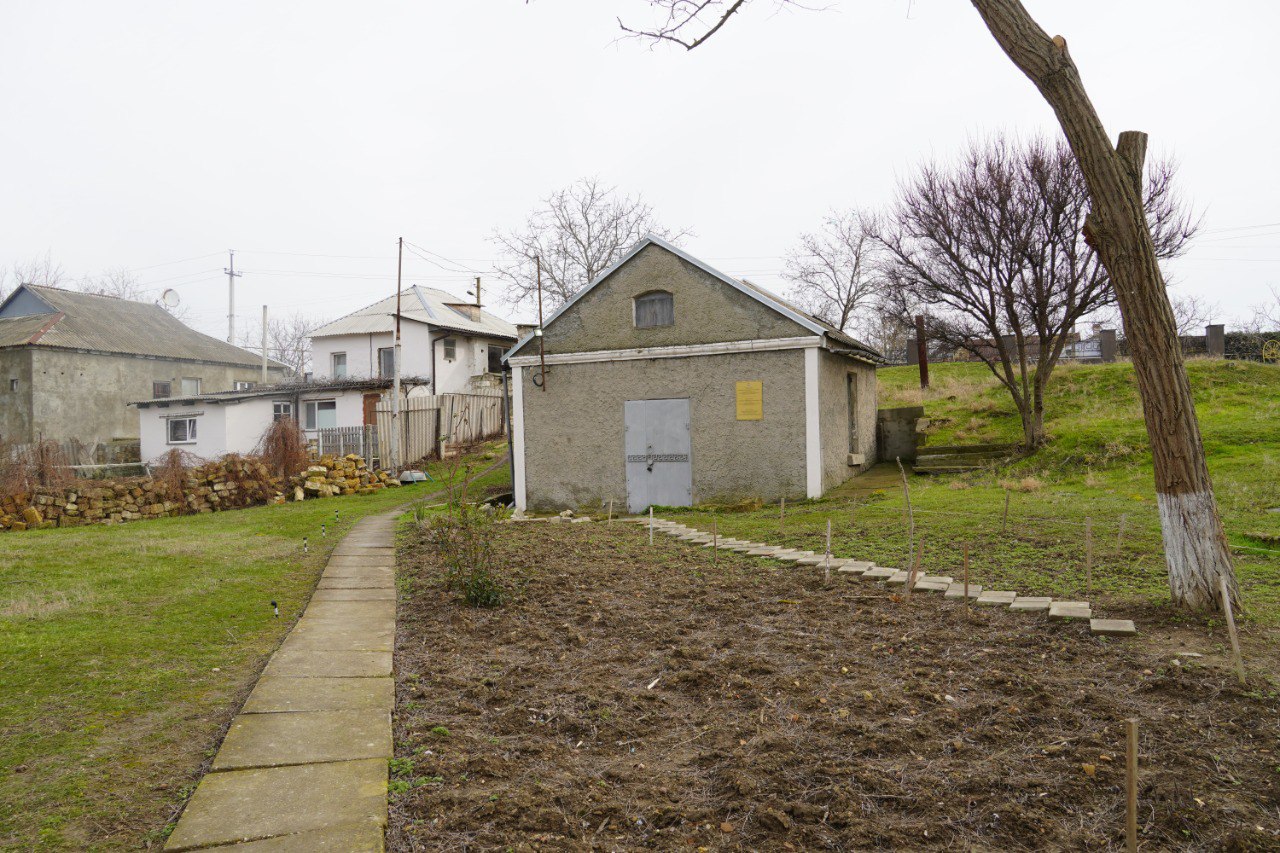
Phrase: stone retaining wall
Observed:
(228, 483)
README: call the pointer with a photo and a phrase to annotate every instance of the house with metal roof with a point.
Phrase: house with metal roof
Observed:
(454, 345)
(666, 382)
(70, 363)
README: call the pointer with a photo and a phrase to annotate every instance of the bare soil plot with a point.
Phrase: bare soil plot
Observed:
(631, 697)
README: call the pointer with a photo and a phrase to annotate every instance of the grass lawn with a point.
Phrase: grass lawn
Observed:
(1096, 470)
(125, 651)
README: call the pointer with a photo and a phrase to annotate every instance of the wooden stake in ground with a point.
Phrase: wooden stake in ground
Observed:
(782, 514)
(715, 543)
(1131, 785)
(650, 527)
(911, 518)
(826, 574)
(1004, 525)
(966, 573)
(610, 521)
(1088, 556)
(915, 567)
(1231, 628)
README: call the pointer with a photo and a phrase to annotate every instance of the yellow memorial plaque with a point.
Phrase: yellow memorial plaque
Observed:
(750, 401)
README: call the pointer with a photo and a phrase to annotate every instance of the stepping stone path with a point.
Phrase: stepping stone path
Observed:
(1056, 610)
(304, 765)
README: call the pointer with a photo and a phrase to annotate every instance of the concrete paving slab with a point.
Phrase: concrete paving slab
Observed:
(247, 805)
(351, 609)
(1034, 603)
(1070, 610)
(1113, 627)
(767, 551)
(857, 566)
(996, 598)
(879, 573)
(372, 580)
(339, 637)
(931, 585)
(353, 838)
(282, 695)
(956, 590)
(387, 593)
(362, 562)
(304, 737)
(814, 560)
(357, 551)
(296, 662)
(899, 578)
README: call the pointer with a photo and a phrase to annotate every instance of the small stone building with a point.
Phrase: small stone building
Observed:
(668, 382)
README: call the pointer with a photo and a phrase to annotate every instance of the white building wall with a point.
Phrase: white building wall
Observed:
(211, 430)
(246, 422)
(472, 358)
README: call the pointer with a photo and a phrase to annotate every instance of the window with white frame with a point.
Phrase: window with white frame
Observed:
(182, 430)
(190, 386)
(319, 414)
(242, 385)
(386, 362)
(450, 347)
(655, 308)
(281, 410)
(339, 361)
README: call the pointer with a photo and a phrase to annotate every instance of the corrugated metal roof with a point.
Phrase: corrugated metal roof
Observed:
(112, 325)
(422, 305)
(830, 329)
(282, 389)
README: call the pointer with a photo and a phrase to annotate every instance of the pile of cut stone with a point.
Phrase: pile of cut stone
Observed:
(345, 475)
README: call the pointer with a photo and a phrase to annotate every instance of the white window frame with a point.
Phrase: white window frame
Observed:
(449, 348)
(243, 385)
(333, 365)
(192, 430)
(311, 413)
(391, 367)
(281, 409)
(183, 385)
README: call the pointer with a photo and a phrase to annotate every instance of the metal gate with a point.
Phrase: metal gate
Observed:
(658, 453)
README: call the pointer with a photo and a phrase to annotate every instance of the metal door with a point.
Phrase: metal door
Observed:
(658, 453)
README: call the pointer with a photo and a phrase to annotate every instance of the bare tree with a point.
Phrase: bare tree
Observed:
(119, 282)
(1196, 551)
(833, 269)
(578, 232)
(288, 340)
(42, 271)
(992, 250)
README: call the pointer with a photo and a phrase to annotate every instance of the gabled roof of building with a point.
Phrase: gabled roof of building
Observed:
(421, 305)
(67, 319)
(843, 341)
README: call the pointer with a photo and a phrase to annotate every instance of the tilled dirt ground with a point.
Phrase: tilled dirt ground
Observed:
(630, 697)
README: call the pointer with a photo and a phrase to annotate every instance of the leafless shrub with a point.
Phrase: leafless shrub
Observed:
(26, 467)
(283, 448)
(171, 471)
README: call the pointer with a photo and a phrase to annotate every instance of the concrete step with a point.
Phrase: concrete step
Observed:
(1113, 627)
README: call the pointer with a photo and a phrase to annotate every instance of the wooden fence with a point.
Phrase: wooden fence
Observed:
(429, 422)
(360, 440)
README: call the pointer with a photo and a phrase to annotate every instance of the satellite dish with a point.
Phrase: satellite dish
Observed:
(170, 298)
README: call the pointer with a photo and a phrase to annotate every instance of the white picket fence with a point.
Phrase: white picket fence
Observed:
(360, 440)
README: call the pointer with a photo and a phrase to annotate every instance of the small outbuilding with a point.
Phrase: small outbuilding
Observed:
(667, 382)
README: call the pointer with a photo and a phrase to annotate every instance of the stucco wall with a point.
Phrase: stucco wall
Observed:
(15, 406)
(706, 310)
(574, 429)
(211, 430)
(834, 416)
(415, 353)
(84, 395)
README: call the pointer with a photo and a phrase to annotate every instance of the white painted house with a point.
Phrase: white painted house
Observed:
(451, 344)
(212, 425)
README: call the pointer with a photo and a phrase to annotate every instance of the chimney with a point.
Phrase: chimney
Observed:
(467, 309)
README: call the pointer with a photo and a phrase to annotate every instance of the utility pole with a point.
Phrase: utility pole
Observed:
(231, 297)
(542, 351)
(264, 345)
(922, 350)
(478, 304)
(395, 371)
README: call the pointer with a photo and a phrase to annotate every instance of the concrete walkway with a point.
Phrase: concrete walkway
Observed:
(304, 765)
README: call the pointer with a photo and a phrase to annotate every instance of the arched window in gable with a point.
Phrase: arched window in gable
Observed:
(655, 308)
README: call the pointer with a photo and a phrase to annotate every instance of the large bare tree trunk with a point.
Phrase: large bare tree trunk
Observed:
(1195, 546)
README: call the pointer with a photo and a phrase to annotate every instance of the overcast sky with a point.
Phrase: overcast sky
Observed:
(309, 136)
